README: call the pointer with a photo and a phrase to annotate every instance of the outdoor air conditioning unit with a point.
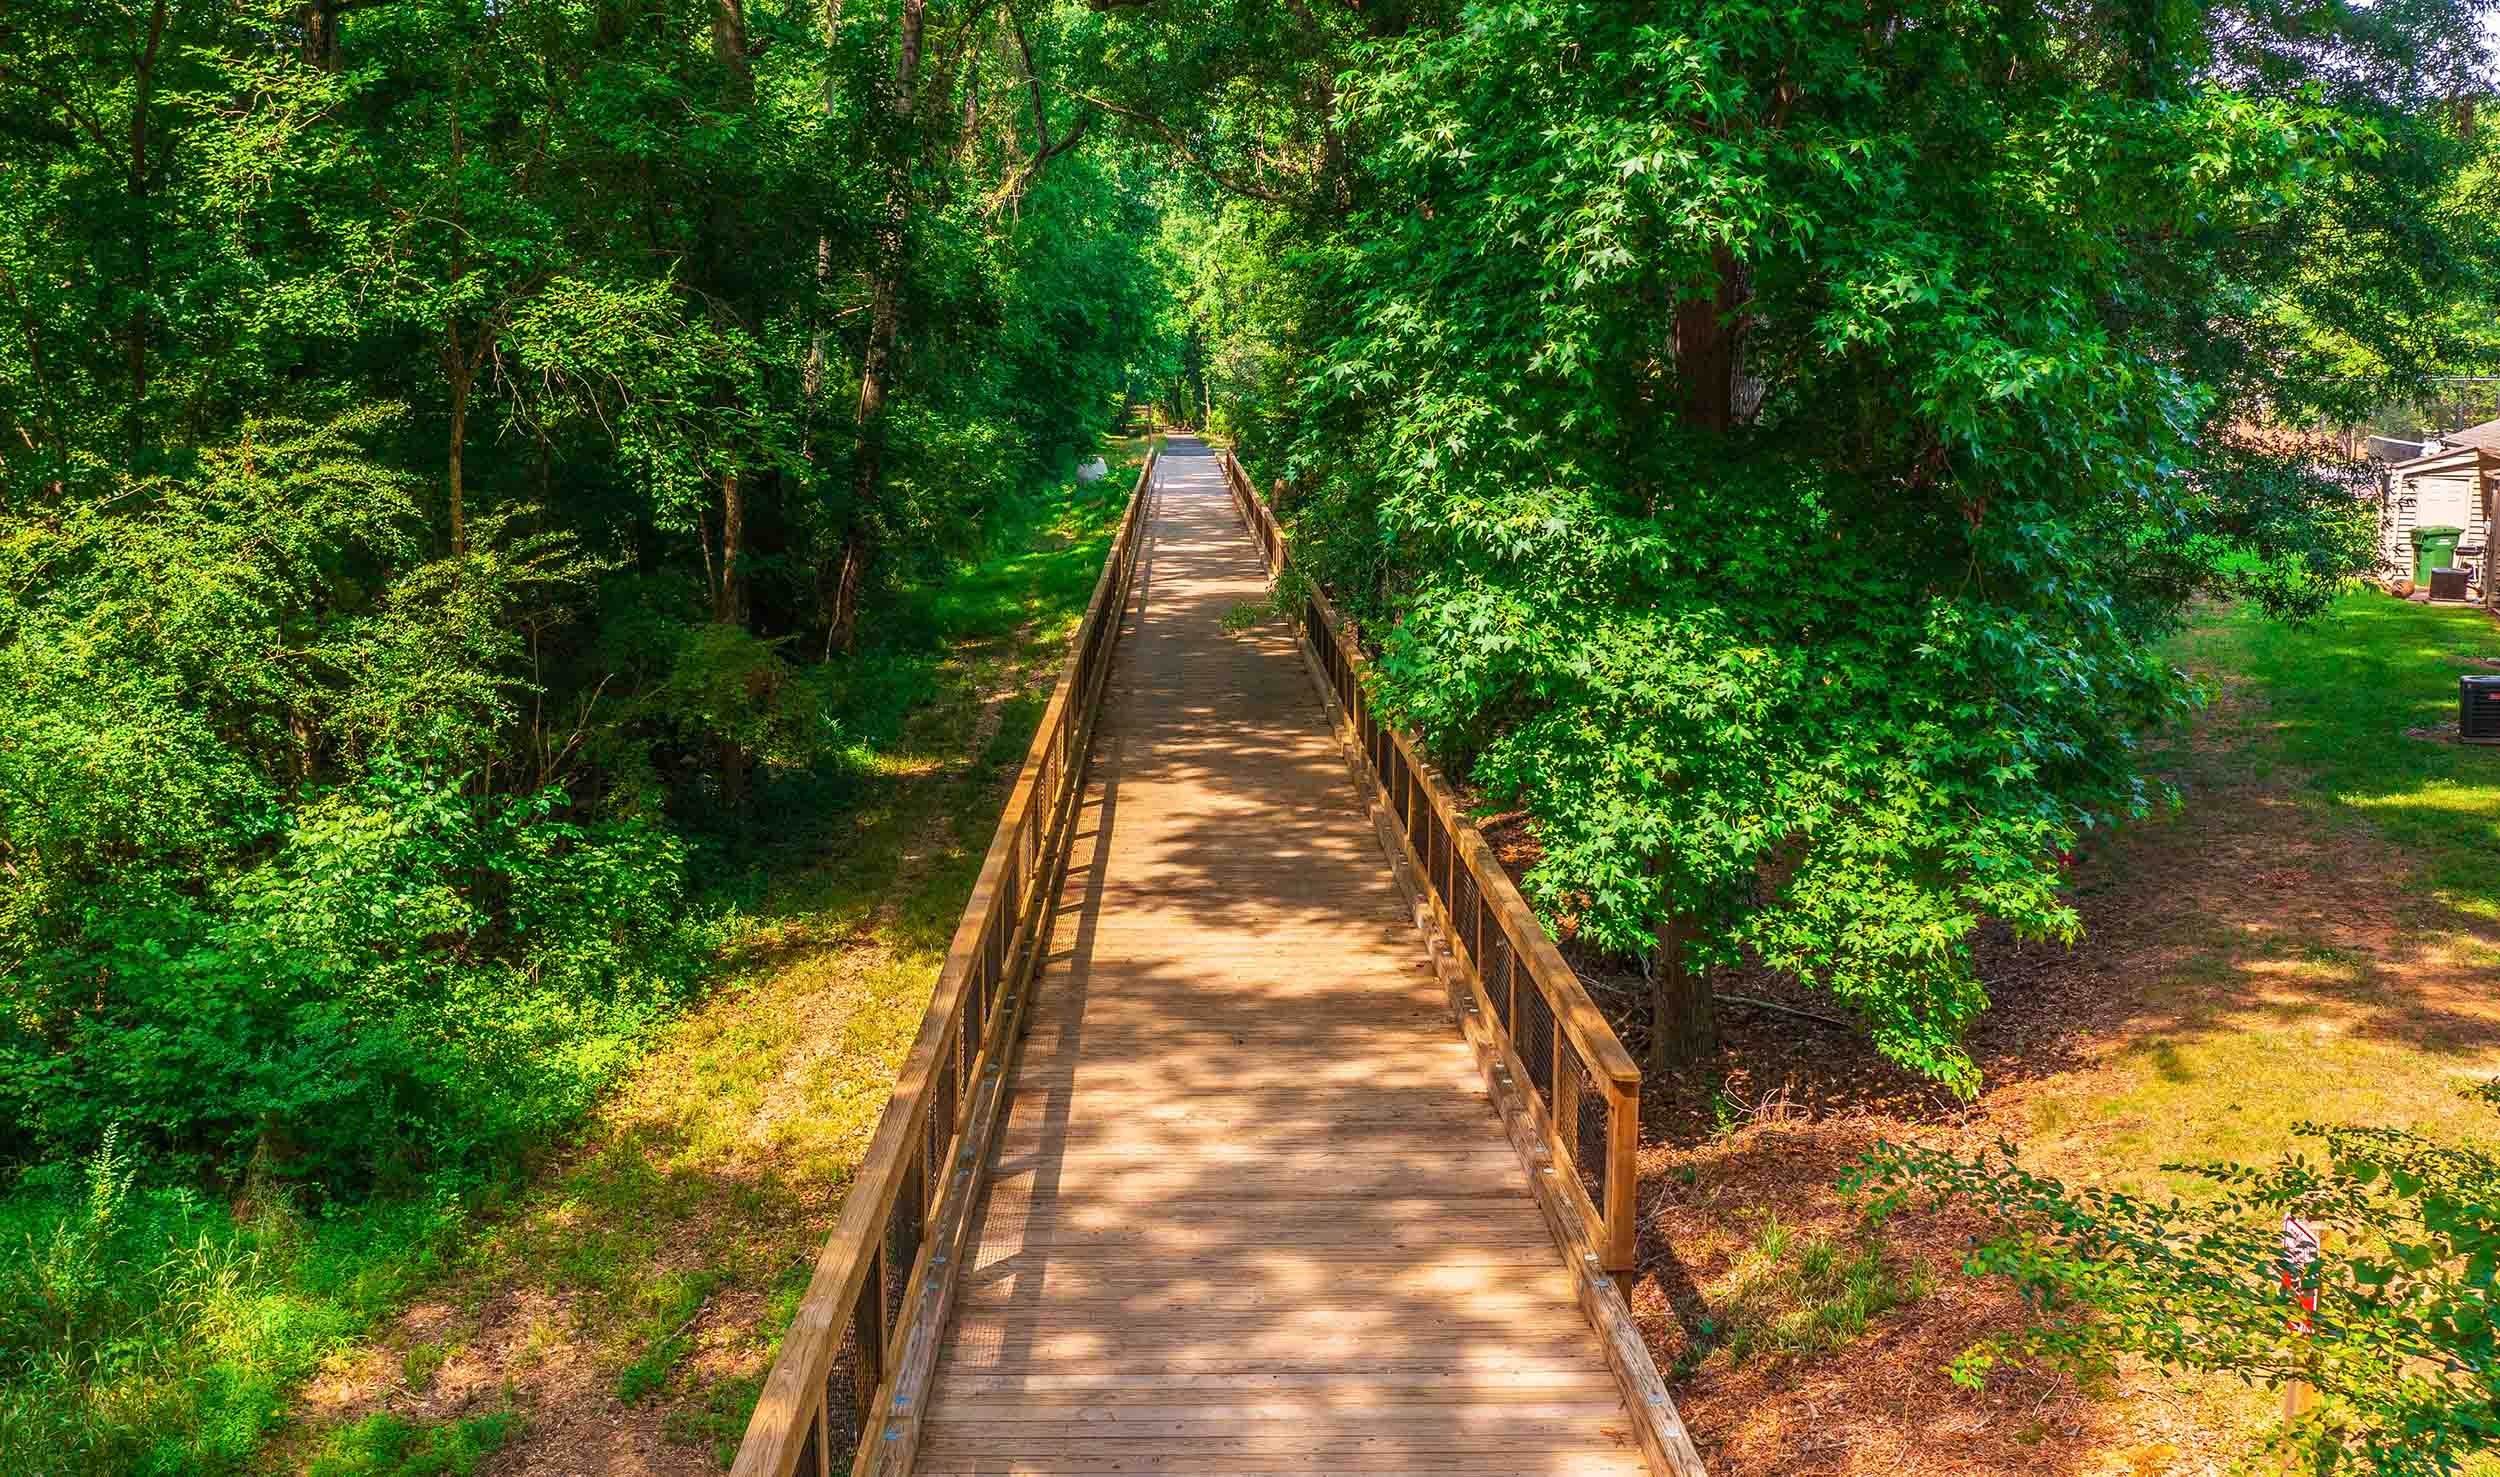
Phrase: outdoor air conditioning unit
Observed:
(2478, 709)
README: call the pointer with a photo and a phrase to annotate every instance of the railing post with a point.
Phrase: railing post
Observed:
(1623, 1146)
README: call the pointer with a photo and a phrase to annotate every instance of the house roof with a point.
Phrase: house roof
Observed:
(2453, 459)
(2486, 436)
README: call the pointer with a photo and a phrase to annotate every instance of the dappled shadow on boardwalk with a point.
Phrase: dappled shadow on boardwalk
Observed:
(1252, 1210)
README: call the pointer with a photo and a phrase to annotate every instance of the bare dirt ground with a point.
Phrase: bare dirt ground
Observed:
(2251, 962)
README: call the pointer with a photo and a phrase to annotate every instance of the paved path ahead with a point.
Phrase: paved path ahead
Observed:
(1252, 1211)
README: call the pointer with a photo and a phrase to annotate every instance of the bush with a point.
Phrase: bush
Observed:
(146, 1331)
(2403, 1346)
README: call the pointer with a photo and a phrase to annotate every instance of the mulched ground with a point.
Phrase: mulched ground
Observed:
(1768, 1125)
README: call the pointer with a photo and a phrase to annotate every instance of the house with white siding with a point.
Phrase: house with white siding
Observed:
(2450, 484)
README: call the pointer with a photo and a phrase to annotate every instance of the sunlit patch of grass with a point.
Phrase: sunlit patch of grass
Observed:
(1790, 1294)
(2332, 701)
(2236, 1094)
(384, 1445)
(2262, 1024)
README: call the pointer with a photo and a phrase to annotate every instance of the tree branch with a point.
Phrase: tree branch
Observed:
(1181, 145)
(77, 115)
(1014, 189)
(1033, 86)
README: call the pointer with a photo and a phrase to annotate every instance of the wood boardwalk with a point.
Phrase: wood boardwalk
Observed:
(1251, 1210)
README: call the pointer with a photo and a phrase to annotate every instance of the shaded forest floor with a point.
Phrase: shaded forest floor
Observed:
(619, 1314)
(2313, 935)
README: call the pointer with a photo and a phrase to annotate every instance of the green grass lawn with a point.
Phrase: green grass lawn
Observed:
(2308, 936)
(2334, 700)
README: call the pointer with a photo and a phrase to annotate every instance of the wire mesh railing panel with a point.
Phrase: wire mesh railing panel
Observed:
(1497, 978)
(1437, 861)
(1445, 866)
(1532, 1031)
(903, 1227)
(858, 1369)
(940, 1133)
(1588, 1134)
(976, 1012)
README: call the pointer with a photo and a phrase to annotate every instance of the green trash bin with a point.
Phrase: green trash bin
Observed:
(2433, 548)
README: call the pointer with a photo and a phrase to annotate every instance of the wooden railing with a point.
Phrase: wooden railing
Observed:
(1581, 1089)
(849, 1390)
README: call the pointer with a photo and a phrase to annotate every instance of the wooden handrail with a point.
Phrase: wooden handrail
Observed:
(851, 1379)
(1556, 1044)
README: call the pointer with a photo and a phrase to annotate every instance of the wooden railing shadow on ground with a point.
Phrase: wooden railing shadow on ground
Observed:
(868, 1327)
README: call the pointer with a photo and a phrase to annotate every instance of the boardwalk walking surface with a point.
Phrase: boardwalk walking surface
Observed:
(1252, 1211)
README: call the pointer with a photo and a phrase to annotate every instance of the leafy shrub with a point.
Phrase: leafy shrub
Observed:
(257, 908)
(143, 1330)
(414, 979)
(2403, 1347)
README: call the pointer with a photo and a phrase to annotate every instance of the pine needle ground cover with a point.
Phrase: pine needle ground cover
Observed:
(626, 1294)
(2310, 935)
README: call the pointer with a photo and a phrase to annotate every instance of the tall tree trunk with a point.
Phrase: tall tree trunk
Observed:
(877, 365)
(463, 374)
(727, 605)
(1706, 330)
(726, 609)
(1681, 1023)
(812, 377)
(320, 21)
(846, 594)
(729, 47)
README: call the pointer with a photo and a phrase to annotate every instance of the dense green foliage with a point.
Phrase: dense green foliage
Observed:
(2403, 1346)
(1767, 442)
(441, 489)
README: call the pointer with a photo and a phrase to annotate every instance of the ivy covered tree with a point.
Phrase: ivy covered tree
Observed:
(1769, 443)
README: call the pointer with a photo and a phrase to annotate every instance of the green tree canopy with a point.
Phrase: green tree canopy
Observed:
(1769, 442)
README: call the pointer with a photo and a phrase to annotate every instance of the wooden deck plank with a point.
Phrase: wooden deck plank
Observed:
(1251, 1210)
